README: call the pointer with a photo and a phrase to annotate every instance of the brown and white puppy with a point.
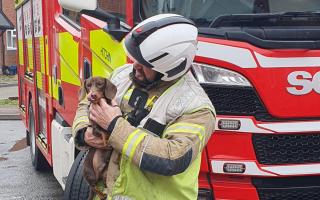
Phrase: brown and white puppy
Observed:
(97, 160)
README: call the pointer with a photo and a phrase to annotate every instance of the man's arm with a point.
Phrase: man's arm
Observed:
(80, 124)
(182, 143)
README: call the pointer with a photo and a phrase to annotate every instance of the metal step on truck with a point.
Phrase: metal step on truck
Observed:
(258, 61)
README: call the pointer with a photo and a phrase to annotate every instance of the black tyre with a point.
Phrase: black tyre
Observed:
(77, 187)
(38, 160)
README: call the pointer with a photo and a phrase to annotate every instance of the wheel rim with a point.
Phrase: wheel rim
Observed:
(32, 136)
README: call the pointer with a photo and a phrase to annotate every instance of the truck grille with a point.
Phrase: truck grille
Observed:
(302, 188)
(272, 149)
(239, 101)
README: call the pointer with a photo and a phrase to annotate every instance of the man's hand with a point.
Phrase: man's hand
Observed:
(92, 140)
(104, 113)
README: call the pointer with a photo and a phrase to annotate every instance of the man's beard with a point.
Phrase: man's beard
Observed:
(145, 83)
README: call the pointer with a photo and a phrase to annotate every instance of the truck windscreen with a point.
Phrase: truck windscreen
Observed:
(203, 12)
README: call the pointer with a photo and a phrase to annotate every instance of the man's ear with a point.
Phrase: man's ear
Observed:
(83, 91)
(110, 90)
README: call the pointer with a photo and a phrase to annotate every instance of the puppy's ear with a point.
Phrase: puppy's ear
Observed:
(83, 91)
(110, 90)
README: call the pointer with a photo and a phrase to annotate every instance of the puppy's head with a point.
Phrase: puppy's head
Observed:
(96, 88)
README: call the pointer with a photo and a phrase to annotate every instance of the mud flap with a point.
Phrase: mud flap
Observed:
(63, 151)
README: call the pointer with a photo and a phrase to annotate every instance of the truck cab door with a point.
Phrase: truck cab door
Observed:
(65, 70)
(102, 53)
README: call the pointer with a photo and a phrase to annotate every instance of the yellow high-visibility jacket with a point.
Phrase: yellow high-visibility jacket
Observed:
(145, 165)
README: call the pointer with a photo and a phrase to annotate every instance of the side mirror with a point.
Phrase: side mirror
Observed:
(79, 5)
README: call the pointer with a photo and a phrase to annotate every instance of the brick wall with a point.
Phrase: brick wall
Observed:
(10, 55)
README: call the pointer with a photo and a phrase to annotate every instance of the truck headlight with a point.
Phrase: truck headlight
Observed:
(208, 74)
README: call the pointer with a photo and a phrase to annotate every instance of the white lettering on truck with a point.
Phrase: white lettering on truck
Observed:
(303, 83)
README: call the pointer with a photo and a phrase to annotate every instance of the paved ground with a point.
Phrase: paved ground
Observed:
(18, 179)
(6, 92)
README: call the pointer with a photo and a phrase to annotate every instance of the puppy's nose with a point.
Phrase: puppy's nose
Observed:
(93, 96)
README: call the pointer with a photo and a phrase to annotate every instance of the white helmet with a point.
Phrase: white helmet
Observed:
(166, 43)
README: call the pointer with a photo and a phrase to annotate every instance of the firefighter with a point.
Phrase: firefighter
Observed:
(160, 119)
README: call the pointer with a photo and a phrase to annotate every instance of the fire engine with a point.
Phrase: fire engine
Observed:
(258, 61)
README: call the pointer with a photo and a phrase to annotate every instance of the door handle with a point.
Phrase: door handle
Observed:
(87, 72)
(54, 73)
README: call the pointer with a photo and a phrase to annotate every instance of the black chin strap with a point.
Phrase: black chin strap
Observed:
(145, 83)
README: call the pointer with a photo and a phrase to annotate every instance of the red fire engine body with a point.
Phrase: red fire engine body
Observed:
(258, 61)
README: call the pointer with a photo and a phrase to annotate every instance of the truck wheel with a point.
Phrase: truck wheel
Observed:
(77, 187)
(38, 160)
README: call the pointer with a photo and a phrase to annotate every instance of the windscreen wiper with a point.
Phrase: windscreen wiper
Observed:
(270, 18)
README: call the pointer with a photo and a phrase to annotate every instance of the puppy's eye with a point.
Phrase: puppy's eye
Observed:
(89, 85)
(99, 84)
